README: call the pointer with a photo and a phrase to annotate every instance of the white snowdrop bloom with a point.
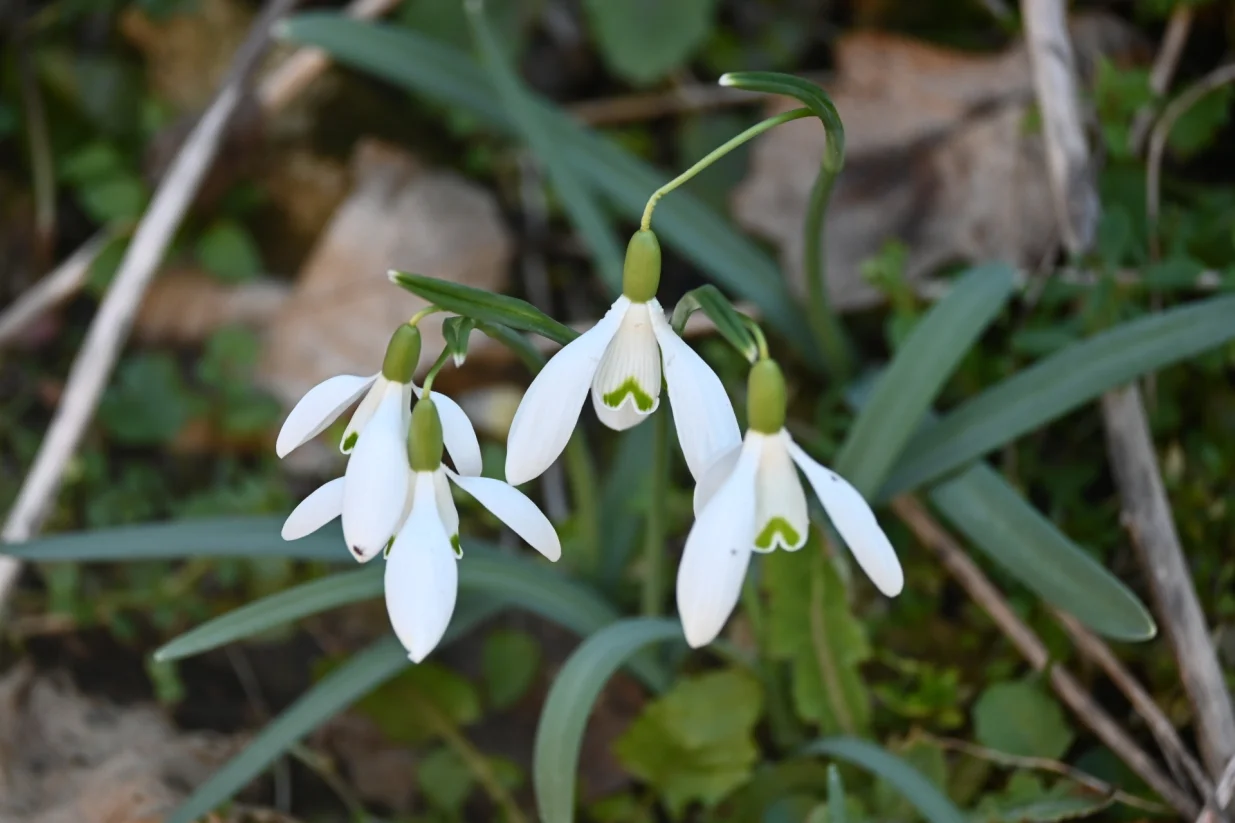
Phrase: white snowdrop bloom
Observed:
(751, 500)
(622, 360)
(375, 483)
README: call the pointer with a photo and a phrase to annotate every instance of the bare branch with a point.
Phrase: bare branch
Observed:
(1164, 69)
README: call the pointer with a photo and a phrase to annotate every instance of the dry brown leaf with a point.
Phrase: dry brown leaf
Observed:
(939, 157)
(187, 306)
(69, 758)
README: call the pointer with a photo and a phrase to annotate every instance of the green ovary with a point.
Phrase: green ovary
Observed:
(643, 401)
(788, 534)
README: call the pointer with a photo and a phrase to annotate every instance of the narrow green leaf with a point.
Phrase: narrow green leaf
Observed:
(426, 67)
(809, 94)
(583, 210)
(559, 734)
(836, 796)
(334, 693)
(276, 610)
(720, 311)
(208, 537)
(485, 305)
(1000, 523)
(519, 345)
(910, 384)
(924, 795)
(1060, 383)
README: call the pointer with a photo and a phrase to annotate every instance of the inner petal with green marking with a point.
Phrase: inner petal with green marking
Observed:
(454, 544)
(630, 387)
(777, 531)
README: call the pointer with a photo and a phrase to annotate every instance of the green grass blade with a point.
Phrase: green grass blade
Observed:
(428, 68)
(276, 610)
(584, 212)
(909, 385)
(1059, 384)
(559, 735)
(1006, 528)
(922, 793)
(500, 309)
(334, 693)
(207, 537)
(836, 796)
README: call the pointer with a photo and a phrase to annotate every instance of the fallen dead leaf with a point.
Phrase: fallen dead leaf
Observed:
(69, 758)
(940, 156)
(187, 305)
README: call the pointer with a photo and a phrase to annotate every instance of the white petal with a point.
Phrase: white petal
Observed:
(714, 476)
(446, 509)
(781, 519)
(707, 427)
(457, 434)
(377, 474)
(626, 387)
(546, 416)
(315, 511)
(363, 414)
(513, 508)
(318, 409)
(855, 521)
(718, 551)
(422, 575)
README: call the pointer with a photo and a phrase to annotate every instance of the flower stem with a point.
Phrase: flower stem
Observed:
(654, 538)
(828, 333)
(761, 342)
(434, 369)
(423, 313)
(716, 154)
(581, 472)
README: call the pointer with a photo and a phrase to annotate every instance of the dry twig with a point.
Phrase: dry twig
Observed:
(52, 289)
(1070, 691)
(107, 333)
(1163, 70)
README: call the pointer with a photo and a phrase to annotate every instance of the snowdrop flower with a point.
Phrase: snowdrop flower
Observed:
(620, 360)
(752, 500)
(374, 486)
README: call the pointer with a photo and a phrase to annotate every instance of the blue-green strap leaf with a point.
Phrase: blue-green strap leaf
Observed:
(484, 305)
(555, 762)
(728, 321)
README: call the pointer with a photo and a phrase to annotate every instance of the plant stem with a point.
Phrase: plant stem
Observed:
(433, 370)
(654, 539)
(581, 472)
(716, 154)
(828, 333)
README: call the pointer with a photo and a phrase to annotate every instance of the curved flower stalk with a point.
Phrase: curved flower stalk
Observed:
(372, 492)
(751, 500)
(421, 576)
(622, 360)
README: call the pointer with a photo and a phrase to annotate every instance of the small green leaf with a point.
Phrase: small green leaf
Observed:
(227, 250)
(810, 626)
(644, 40)
(444, 779)
(559, 735)
(910, 384)
(1020, 718)
(720, 311)
(413, 707)
(695, 742)
(120, 196)
(457, 332)
(1026, 800)
(1198, 127)
(1057, 385)
(917, 789)
(510, 660)
(148, 404)
(483, 305)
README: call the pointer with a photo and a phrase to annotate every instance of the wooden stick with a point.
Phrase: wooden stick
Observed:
(107, 333)
(1070, 691)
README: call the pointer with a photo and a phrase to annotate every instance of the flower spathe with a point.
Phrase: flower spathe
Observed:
(421, 578)
(752, 500)
(622, 360)
(374, 486)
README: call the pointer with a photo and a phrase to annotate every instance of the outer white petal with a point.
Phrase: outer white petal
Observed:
(375, 492)
(422, 575)
(513, 508)
(632, 356)
(458, 435)
(718, 551)
(318, 409)
(315, 511)
(546, 416)
(779, 495)
(363, 414)
(855, 521)
(707, 427)
(446, 509)
(714, 476)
